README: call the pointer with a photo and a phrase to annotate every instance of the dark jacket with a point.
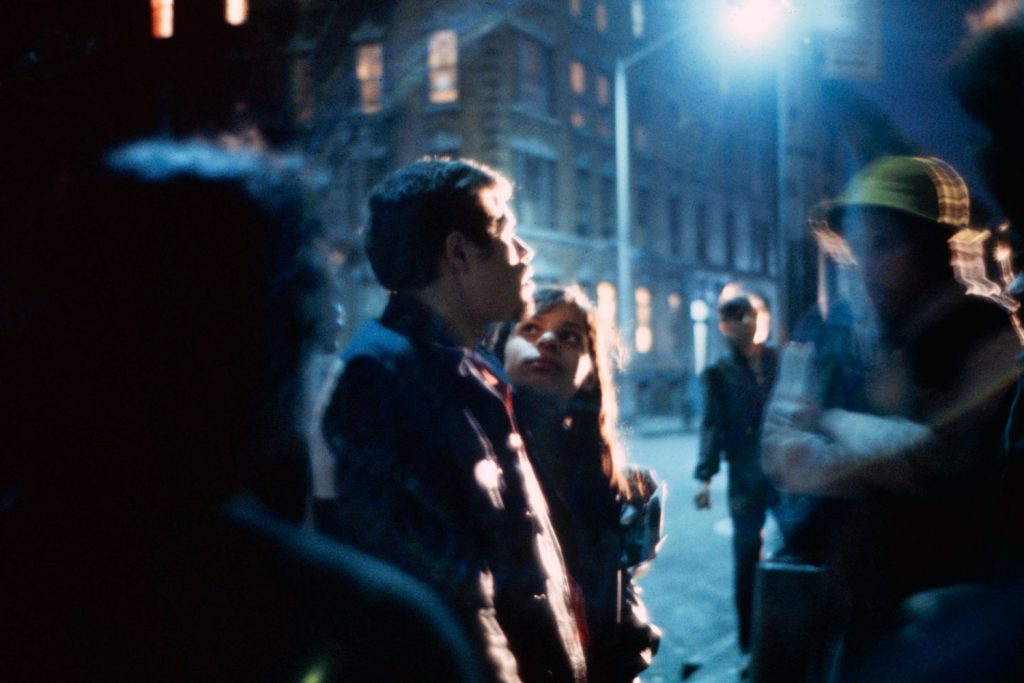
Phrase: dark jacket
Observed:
(587, 514)
(432, 476)
(230, 594)
(733, 410)
(951, 369)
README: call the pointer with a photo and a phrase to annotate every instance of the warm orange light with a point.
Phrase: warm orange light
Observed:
(763, 326)
(443, 59)
(832, 243)
(967, 257)
(162, 16)
(578, 77)
(643, 337)
(236, 12)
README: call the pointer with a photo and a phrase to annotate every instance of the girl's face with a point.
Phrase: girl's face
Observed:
(550, 352)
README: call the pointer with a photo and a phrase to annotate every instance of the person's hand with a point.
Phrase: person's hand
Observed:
(793, 402)
(703, 498)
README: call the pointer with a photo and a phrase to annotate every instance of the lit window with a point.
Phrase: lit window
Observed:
(578, 77)
(444, 63)
(534, 75)
(638, 18)
(601, 16)
(575, 7)
(370, 72)
(644, 340)
(577, 119)
(604, 90)
(236, 12)
(162, 17)
(675, 301)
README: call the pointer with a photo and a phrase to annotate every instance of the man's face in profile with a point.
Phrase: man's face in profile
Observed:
(502, 281)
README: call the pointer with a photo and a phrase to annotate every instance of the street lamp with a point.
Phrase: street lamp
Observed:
(747, 22)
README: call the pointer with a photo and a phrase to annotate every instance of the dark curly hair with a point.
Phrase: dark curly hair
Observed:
(184, 290)
(413, 210)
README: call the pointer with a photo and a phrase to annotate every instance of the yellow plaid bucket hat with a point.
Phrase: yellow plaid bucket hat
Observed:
(927, 187)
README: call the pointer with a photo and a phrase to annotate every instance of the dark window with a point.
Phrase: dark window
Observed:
(583, 204)
(535, 197)
(675, 228)
(642, 216)
(702, 234)
(730, 238)
(608, 207)
(535, 74)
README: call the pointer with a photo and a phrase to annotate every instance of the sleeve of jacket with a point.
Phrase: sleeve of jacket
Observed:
(711, 427)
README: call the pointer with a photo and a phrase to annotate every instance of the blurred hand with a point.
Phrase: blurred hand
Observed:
(793, 401)
(703, 498)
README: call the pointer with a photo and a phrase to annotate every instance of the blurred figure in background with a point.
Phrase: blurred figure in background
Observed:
(157, 453)
(430, 468)
(736, 388)
(988, 79)
(606, 515)
(921, 467)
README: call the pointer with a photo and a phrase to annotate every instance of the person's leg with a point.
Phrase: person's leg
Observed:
(747, 520)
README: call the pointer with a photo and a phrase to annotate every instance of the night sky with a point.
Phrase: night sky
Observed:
(919, 38)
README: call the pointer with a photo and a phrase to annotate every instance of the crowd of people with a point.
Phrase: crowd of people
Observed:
(169, 306)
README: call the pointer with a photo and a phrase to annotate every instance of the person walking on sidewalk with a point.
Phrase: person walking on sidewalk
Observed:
(736, 388)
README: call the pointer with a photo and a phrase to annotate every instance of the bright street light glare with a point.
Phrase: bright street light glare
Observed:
(755, 23)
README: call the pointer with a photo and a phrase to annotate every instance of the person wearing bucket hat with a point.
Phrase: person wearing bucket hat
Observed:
(898, 215)
(918, 466)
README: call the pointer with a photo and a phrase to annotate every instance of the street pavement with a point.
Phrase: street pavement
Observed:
(688, 589)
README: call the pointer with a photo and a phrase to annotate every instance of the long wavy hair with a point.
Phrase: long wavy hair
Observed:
(594, 410)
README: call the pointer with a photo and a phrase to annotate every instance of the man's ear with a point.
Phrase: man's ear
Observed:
(457, 251)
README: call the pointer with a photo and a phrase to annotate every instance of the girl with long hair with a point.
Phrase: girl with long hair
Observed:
(559, 361)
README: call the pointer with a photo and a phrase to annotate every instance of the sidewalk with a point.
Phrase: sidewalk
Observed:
(647, 426)
(689, 588)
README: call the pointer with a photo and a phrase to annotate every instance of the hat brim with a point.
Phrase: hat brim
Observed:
(832, 211)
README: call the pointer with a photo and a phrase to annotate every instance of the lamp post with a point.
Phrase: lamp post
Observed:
(624, 216)
(750, 22)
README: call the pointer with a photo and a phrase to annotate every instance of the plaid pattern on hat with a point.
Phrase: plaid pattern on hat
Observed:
(927, 187)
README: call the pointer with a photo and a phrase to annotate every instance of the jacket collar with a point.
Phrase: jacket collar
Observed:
(410, 318)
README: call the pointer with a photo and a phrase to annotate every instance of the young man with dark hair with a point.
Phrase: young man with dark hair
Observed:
(431, 473)
(736, 389)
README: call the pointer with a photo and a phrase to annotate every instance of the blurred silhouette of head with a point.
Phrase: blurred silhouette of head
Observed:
(182, 291)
